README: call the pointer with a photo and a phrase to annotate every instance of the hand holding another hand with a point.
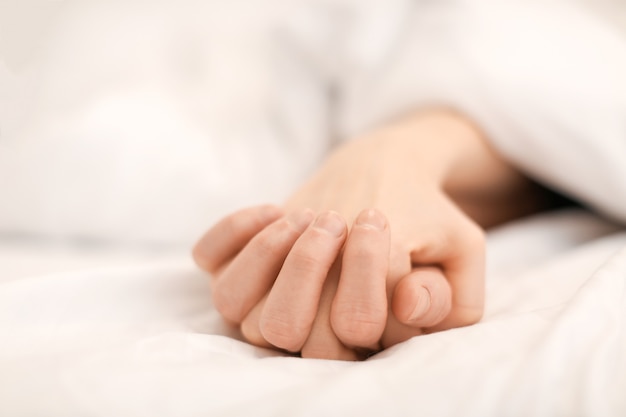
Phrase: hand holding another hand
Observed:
(341, 283)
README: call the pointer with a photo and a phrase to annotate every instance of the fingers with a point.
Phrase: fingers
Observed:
(359, 308)
(465, 270)
(363, 285)
(449, 296)
(420, 300)
(423, 298)
(231, 234)
(250, 326)
(251, 273)
(292, 303)
(423, 302)
(459, 249)
(322, 342)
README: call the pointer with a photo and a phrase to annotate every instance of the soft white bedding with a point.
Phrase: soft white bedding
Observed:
(132, 126)
(143, 340)
(137, 122)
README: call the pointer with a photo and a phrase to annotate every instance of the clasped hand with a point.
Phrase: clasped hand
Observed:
(369, 253)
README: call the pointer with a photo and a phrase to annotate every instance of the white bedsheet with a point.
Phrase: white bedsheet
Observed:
(143, 340)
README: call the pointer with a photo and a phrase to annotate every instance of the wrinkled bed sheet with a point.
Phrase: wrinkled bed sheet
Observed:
(142, 339)
(157, 155)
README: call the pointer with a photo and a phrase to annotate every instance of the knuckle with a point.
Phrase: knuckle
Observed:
(201, 259)
(262, 215)
(245, 220)
(313, 253)
(270, 242)
(224, 303)
(281, 333)
(251, 333)
(431, 246)
(358, 327)
(475, 236)
(304, 262)
(267, 245)
(236, 222)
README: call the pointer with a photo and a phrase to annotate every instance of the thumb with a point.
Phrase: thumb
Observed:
(422, 298)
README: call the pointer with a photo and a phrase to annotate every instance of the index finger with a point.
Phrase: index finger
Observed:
(228, 236)
(322, 342)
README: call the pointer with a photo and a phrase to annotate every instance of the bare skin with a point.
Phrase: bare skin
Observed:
(384, 243)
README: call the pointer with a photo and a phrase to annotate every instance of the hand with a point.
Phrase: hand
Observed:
(352, 308)
(359, 310)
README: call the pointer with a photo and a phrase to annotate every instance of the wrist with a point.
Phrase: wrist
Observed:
(447, 153)
(448, 150)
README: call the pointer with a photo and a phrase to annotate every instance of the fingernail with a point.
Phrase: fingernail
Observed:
(422, 304)
(331, 222)
(301, 219)
(371, 218)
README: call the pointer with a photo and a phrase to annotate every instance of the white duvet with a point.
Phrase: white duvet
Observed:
(132, 127)
(145, 341)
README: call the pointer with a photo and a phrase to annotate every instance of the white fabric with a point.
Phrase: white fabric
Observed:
(145, 341)
(145, 122)
(136, 122)
(140, 122)
(544, 79)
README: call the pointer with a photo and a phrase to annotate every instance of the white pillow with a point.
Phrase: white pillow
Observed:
(137, 122)
(145, 123)
(545, 80)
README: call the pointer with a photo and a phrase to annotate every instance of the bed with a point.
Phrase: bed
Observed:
(115, 155)
(96, 334)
